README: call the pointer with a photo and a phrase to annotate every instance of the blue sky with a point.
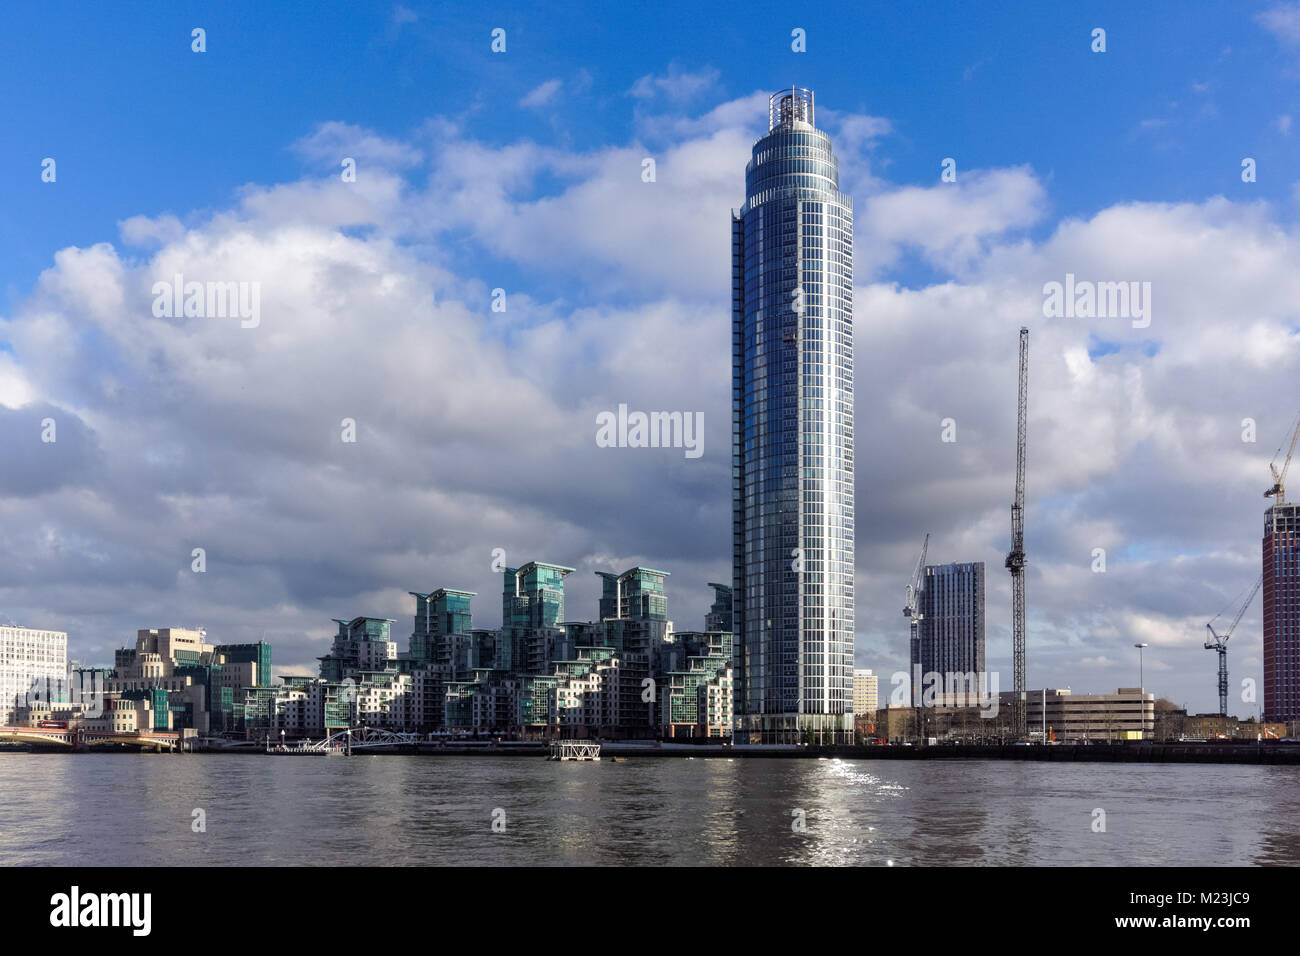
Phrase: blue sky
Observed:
(522, 171)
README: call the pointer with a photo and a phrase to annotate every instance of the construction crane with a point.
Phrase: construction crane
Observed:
(1278, 490)
(1015, 562)
(911, 611)
(1219, 642)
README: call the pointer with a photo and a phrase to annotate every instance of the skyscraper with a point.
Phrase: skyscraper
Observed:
(952, 620)
(792, 436)
(1282, 612)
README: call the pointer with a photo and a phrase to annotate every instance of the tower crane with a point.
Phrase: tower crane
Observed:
(1015, 562)
(1219, 642)
(911, 611)
(1278, 489)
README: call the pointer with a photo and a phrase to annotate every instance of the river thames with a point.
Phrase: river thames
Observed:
(140, 810)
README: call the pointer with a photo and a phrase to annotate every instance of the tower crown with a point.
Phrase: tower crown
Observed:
(790, 107)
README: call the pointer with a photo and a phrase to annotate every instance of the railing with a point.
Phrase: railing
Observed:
(574, 750)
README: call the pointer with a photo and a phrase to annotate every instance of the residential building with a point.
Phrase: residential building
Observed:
(361, 644)
(792, 435)
(694, 685)
(719, 617)
(438, 615)
(951, 633)
(865, 691)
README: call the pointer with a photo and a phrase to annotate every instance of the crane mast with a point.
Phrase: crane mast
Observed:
(1219, 642)
(1015, 562)
(910, 611)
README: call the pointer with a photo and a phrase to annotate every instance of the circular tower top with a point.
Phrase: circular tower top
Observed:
(790, 107)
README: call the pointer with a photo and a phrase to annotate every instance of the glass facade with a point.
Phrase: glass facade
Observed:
(534, 595)
(608, 595)
(258, 653)
(438, 615)
(532, 599)
(641, 595)
(364, 643)
(952, 620)
(792, 436)
(719, 616)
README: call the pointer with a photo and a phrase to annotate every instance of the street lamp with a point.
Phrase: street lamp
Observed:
(1141, 678)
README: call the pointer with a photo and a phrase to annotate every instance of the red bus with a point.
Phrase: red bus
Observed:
(53, 724)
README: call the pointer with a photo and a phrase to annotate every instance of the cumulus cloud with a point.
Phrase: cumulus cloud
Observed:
(476, 428)
(951, 224)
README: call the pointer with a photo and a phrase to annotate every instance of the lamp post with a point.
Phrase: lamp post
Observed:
(1141, 678)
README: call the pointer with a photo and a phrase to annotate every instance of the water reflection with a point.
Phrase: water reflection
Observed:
(133, 810)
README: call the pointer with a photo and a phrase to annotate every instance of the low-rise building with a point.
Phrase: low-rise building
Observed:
(1220, 727)
(1127, 714)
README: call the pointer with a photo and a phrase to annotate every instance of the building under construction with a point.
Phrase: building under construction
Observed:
(1282, 612)
(1281, 586)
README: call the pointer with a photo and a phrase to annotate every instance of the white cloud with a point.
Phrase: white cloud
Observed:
(677, 84)
(541, 94)
(476, 428)
(950, 223)
(1283, 21)
(146, 231)
(331, 142)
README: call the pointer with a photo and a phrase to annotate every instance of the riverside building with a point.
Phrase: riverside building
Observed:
(792, 436)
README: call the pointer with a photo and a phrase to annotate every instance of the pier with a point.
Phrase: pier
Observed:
(574, 750)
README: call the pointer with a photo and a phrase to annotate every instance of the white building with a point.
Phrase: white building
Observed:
(26, 655)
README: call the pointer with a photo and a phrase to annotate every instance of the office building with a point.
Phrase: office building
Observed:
(28, 656)
(1127, 714)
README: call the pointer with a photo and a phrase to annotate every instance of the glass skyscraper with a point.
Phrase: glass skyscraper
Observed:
(792, 436)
